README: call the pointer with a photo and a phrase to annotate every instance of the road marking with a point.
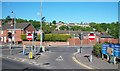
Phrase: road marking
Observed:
(37, 64)
(81, 63)
(60, 58)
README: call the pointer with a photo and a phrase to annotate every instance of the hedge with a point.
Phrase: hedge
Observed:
(23, 37)
(97, 49)
(51, 37)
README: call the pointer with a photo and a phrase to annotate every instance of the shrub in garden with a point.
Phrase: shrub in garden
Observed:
(97, 49)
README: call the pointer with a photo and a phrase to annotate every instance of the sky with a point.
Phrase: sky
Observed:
(69, 12)
(60, 0)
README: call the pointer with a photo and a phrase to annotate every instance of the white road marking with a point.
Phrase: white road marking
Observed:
(60, 58)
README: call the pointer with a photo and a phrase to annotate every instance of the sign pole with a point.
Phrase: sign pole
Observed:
(91, 58)
(11, 48)
(91, 38)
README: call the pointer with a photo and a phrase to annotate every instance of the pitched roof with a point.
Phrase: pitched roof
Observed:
(17, 26)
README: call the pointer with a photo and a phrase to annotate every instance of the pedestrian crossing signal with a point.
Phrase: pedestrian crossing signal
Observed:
(10, 35)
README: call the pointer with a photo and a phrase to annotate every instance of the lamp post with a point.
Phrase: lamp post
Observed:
(40, 25)
(14, 23)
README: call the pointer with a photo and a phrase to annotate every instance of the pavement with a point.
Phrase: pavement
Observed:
(97, 63)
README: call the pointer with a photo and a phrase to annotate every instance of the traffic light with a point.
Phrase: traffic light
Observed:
(10, 35)
(35, 36)
(80, 36)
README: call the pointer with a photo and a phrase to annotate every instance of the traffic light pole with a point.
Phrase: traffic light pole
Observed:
(32, 49)
(81, 43)
(10, 47)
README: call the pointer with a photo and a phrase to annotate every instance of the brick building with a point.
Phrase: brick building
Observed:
(20, 28)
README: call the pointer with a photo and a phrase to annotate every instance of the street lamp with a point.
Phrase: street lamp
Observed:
(14, 23)
(40, 25)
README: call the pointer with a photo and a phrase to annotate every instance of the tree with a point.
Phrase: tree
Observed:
(7, 19)
(54, 22)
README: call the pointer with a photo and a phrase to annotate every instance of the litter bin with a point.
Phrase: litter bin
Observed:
(31, 55)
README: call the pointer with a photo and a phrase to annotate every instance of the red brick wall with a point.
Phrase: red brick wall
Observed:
(74, 41)
(18, 35)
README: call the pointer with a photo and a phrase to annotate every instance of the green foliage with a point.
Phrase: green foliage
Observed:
(64, 28)
(97, 49)
(19, 20)
(110, 28)
(57, 37)
(23, 37)
(54, 22)
(51, 37)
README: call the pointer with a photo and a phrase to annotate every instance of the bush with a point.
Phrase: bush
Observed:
(51, 37)
(23, 37)
(97, 49)
(56, 37)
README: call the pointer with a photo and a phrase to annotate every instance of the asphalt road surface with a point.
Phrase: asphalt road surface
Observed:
(56, 58)
(61, 58)
(11, 64)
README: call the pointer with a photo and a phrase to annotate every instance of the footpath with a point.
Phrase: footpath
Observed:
(97, 63)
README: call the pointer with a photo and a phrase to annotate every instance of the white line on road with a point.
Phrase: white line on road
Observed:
(60, 58)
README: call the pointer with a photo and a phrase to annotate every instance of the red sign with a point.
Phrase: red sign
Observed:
(91, 36)
(29, 36)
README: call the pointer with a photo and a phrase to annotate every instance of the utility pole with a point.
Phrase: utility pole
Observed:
(40, 25)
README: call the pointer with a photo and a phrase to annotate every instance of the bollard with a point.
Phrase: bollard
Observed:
(91, 59)
(102, 56)
(10, 49)
(115, 60)
(43, 48)
(78, 50)
(24, 47)
(108, 57)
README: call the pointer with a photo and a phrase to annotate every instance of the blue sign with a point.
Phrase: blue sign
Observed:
(112, 46)
(117, 50)
(104, 48)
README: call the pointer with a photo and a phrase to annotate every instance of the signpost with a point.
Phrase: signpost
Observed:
(29, 37)
(91, 38)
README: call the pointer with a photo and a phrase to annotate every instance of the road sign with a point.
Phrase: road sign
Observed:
(29, 36)
(91, 36)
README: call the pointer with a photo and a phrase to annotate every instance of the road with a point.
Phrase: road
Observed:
(55, 58)
(11, 64)
(61, 58)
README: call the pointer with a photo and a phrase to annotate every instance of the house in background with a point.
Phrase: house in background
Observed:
(20, 28)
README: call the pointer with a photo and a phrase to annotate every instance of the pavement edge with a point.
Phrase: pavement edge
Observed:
(78, 62)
